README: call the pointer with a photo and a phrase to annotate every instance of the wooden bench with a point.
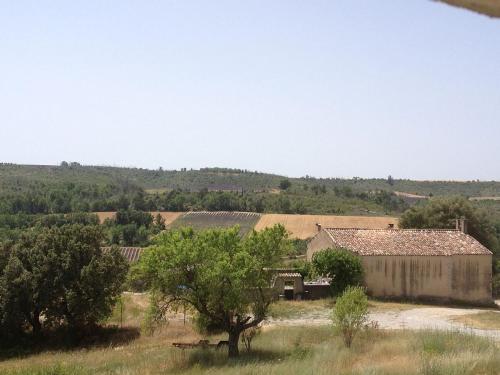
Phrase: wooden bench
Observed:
(203, 344)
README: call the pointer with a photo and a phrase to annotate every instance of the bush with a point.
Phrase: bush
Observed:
(343, 267)
(350, 313)
(248, 335)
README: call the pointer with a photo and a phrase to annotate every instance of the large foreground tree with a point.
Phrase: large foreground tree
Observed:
(218, 273)
(61, 275)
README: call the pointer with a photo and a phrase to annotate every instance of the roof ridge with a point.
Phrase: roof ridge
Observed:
(397, 229)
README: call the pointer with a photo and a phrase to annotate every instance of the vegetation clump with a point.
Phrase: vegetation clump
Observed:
(343, 267)
(350, 313)
(58, 277)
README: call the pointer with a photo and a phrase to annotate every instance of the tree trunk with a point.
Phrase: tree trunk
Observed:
(234, 338)
(35, 322)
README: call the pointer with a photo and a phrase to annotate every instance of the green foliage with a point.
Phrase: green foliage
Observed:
(73, 188)
(343, 267)
(299, 247)
(350, 313)
(285, 184)
(62, 274)
(218, 273)
(303, 267)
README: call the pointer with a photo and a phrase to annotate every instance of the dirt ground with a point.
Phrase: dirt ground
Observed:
(420, 317)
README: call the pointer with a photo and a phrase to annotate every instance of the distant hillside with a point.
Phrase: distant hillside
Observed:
(225, 180)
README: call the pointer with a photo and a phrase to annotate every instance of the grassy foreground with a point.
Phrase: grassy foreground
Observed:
(278, 350)
(291, 350)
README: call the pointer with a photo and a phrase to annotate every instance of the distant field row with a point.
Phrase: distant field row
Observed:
(299, 226)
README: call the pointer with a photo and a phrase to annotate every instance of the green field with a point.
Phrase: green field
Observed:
(205, 220)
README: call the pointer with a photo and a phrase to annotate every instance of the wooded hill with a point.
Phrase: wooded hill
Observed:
(13, 175)
(71, 187)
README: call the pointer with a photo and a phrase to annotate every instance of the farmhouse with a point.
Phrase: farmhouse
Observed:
(410, 263)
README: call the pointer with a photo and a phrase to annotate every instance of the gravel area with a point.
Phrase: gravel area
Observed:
(440, 318)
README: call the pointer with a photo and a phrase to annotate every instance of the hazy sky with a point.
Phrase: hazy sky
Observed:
(326, 88)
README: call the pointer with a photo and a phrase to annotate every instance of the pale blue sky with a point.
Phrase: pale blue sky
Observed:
(326, 88)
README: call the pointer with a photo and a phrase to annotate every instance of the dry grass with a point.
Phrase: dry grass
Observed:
(105, 215)
(304, 226)
(290, 350)
(322, 308)
(302, 309)
(278, 350)
(482, 320)
(169, 217)
(379, 306)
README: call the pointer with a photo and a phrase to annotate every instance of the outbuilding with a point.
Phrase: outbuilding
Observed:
(436, 264)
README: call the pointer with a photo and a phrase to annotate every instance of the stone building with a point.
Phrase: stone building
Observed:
(409, 263)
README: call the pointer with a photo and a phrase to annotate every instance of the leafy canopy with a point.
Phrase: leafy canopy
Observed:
(62, 275)
(343, 267)
(218, 273)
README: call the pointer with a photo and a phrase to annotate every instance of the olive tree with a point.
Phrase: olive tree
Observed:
(219, 274)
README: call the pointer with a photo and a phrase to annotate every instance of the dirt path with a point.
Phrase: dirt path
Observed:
(440, 318)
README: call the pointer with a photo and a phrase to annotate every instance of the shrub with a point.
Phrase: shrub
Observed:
(248, 335)
(343, 267)
(350, 313)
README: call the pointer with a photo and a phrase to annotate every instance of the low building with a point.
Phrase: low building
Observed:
(288, 284)
(409, 263)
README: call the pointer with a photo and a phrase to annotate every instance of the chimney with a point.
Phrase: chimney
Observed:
(391, 226)
(461, 224)
(318, 225)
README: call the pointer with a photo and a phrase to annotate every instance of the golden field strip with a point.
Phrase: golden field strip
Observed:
(304, 226)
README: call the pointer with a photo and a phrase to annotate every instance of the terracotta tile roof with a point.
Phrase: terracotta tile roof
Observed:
(289, 274)
(132, 254)
(406, 241)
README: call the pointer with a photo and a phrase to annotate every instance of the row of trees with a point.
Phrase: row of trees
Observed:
(57, 277)
(47, 198)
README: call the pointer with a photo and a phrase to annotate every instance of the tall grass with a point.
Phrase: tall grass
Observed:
(285, 350)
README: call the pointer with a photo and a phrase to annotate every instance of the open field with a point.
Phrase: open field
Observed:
(300, 226)
(218, 219)
(281, 350)
(304, 349)
(304, 226)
